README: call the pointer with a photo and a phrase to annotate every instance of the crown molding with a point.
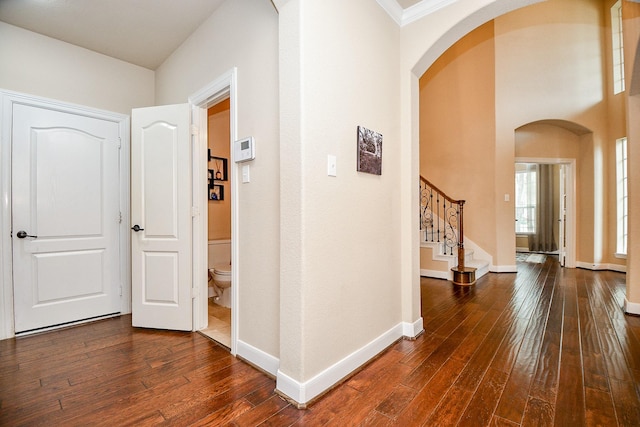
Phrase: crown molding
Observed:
(419, 10)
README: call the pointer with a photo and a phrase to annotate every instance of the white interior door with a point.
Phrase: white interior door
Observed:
(161, 211)
(65, 198)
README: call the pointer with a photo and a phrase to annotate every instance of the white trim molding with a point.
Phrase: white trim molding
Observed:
(631, 307)
(411, 14)
(303, 393)
(503, 268)
(602, 266)
(436, 274)
(412, 330)
(258, 358)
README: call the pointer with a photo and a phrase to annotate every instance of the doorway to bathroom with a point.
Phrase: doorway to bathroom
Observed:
(218, 96)
(219, 224)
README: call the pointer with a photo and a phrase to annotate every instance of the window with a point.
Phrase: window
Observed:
(526, 184)
(617, 48)
(622, 199)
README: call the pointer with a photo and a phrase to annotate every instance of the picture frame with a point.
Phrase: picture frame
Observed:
(210, 177)
(369, 151)
(216, 193)
(219, 168)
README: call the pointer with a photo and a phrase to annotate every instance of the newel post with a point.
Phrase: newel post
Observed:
(461, 238)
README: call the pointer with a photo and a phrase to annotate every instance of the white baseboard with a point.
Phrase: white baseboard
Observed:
(412, 330)
(436, 274)
(257, 357)
(631, 307)
(503, 269)
(597, 267)
(302, 393)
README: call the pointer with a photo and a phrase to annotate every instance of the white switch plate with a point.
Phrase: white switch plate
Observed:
(245, 174)
(506, 197)
(331, 165)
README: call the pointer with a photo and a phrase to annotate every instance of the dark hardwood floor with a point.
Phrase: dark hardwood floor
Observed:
(548, 346)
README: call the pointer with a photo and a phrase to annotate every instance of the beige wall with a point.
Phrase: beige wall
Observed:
(219, 137)
(340, 248)
(42, 66)
(243, 34)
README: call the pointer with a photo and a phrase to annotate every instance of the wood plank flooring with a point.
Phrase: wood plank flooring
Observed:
(546, 346)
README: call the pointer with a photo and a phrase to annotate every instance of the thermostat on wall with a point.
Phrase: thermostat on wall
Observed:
(244, 150)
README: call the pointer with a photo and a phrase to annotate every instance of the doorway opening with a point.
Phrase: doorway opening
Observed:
(219, 224)
(219, 99)
(545, 208)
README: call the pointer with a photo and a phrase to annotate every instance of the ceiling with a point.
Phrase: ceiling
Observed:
(142, 32)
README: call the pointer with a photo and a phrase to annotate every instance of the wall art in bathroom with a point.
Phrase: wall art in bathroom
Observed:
(219, 165)
(216, 192)
(369, 151)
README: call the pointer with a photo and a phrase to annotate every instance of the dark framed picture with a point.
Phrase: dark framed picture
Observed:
(219, 165)
(369, 151)
(216, 192)
(210, 176)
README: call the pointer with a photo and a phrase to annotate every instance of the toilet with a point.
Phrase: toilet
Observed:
(219, 282)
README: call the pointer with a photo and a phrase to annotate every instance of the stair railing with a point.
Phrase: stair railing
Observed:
(441, 219)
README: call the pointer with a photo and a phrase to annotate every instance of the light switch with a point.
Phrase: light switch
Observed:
(506, 197)
(245, 174)
(331, 165)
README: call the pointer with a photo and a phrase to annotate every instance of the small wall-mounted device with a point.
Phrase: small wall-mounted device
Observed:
(244, 150)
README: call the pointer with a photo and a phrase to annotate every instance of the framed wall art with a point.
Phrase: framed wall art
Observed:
(219, 166)
(369, 151)
(216, 192)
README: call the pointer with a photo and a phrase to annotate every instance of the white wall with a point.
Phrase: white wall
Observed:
(340, 255)
(38, 65)
(243, 34)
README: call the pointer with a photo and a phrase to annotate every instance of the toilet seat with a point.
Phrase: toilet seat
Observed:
(222, 269)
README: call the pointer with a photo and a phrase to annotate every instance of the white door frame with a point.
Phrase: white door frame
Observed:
(223, 87)
(7, 100)
(570, 224)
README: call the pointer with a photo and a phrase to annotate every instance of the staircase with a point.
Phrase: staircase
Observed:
(442, 248)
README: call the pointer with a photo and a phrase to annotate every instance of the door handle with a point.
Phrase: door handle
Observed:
(22, 234)
(137, 228)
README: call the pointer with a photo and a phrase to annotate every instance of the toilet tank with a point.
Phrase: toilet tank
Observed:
(219, 252)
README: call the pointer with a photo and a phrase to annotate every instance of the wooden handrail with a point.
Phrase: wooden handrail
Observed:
(442, 193)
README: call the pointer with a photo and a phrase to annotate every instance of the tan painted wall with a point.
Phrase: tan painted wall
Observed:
(457, 130)
(631, 23)
(213, 49)
(546, 70)
(38, 65)
(219, 139)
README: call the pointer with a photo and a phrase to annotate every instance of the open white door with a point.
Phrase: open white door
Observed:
(161, 276)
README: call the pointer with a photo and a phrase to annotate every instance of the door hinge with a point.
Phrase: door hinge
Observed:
(120, 290)
(194, 292)
(119, 143)
(194, 130)
(194, 211)
(120, 218)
